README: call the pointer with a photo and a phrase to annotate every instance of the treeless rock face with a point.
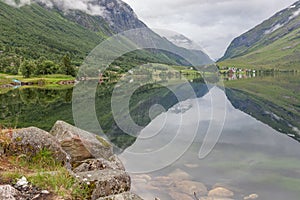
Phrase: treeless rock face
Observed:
(220, 192)
(30, 141)
(79, 144)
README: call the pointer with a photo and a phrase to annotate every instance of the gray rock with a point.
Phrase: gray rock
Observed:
(30, 141)
(123, 196)
(116, 161)
(80, 144)
(7, 192)
(98, 164)
(106, 182)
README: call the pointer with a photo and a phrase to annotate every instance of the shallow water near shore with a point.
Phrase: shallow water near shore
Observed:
(249, 158)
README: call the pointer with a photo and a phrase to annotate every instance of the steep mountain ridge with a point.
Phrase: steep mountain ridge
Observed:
(273, 43)
(115, 14)
(32, 32)
(50, 29)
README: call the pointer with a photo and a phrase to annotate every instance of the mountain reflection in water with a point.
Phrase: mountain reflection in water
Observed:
(250, 157)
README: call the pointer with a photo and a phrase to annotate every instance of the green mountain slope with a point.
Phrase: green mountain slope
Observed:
(38, 32)
(32, 32)
(273, 44)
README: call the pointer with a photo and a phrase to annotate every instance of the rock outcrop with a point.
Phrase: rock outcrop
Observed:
(106, 182)
(91, 157)
(99, 164)
(30, 141)
(80, 144)
(93, 162)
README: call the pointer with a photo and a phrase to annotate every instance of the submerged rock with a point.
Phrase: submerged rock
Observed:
(251, 196)
(180, 196)
(220, 192)
(190, 188)
(179, 174)
(80, 144)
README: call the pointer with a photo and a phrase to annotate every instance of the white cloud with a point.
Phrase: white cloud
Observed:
(211, 23)
(13, 2)
(87, 6)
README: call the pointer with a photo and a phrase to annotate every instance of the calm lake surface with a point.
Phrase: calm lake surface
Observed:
(250, 157)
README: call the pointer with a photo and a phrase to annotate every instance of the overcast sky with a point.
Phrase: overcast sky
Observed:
(211, 23)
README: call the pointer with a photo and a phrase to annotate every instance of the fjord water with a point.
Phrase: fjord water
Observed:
(249, 157)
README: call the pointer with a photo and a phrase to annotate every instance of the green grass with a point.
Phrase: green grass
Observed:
(45, 80)
(44, 172)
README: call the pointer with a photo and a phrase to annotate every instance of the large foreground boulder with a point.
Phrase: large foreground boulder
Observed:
(106, 182)
(30, 141)
(79, 144)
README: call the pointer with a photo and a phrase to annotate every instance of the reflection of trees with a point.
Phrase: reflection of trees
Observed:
(28, 95)
(44, 96)
(43, 107)
(140, 103)
(34, 107)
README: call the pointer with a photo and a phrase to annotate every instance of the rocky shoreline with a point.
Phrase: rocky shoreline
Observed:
(87, 157)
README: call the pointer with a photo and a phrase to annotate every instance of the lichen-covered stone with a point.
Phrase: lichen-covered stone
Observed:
(116, 161)
(123, 196)
(106, 182)
(80, 144)
(30, 141)
(97, 164)
(7, 192)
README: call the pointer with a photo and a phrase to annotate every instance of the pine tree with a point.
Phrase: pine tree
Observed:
(68, 69)
(27, 68)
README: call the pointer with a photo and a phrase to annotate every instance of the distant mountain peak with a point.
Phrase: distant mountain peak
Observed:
(179, 40)
(275, 43)
(272, 29)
